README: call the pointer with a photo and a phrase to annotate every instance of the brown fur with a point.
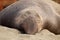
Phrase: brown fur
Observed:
(58, 1)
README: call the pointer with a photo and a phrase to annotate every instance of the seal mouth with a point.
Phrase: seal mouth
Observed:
(29, 26)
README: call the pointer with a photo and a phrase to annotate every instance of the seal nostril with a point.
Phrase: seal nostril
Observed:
(29, 25)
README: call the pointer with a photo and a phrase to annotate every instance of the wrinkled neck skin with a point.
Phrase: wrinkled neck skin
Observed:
(49, 18)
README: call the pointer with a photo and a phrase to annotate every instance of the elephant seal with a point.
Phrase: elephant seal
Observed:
(31, 16)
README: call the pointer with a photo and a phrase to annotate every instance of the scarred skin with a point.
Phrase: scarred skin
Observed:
(5, 3)
(31, 16)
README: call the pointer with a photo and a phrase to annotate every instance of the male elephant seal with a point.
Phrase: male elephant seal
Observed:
(31, 16)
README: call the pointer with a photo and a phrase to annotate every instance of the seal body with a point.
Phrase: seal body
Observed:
(31, 16)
